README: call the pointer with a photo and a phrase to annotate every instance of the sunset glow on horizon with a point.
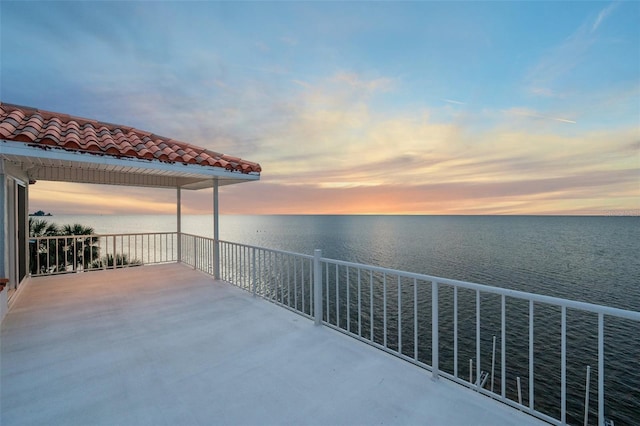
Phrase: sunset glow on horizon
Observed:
(350, 108)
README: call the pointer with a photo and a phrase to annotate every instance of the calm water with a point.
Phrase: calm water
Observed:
(590, 259)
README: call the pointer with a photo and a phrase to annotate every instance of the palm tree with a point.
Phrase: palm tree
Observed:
(42, 252)
(72, 247)
(42, 228)
(65, 253)
(80, 251)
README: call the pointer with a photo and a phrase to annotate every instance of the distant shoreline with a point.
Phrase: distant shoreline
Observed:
(40, 213)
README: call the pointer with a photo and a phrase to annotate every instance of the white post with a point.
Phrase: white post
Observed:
(493, 361)
(195, 250)
(563, 366)
(600, 368)
(531, 341)
(216, 236)
(435, 371)
(478, 361)
(179, 223)
(317, 287)
(254, 283)
(114, 252)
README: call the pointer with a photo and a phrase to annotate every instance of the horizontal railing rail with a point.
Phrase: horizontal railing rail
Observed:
(62, 254)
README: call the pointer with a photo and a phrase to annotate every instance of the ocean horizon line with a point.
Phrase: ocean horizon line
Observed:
(612, 214)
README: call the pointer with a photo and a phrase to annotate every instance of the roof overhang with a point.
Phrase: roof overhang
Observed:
(56, 164)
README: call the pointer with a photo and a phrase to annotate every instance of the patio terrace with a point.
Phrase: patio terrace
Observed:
(167, 344)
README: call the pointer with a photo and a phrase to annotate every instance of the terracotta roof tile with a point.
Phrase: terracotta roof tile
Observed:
(51, 129)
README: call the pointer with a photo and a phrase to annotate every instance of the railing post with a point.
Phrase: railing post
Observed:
(216, 231)
(317, 287)
(114, 252)
(194, 251)
(600, 368)
(435, 372)
(75, 255)
(179, 223)
(254, 283)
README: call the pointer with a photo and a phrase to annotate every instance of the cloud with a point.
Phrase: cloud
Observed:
(559, 61)
(529, 113)
(325, 147)
(604, 13)
(545, 92)
(73, 198)
(357, 82)
(579, 192)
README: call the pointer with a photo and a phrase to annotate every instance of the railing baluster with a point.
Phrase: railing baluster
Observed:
(326, 274)
(317, 287)
(415, 319)
(531, 386)
(278, 280)
(253, 269)
(478, 365)
(399, 314)
(281, 279)
(359, 304)
(295, 283)
(563, 366)
(503, 355)
(455, 331)
(348, 303)
(435, 343)
(384, 307)
(337, 297)
(302, 283)
(311, 299)
(289, 281)
(194, 252)
(600, 369)
(371, 303)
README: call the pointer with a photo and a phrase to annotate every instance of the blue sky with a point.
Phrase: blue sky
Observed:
(351, 107)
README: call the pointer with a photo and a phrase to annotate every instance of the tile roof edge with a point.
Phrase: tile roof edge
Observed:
(112, 126)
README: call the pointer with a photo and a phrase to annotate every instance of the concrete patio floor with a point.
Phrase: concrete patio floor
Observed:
(167, 345)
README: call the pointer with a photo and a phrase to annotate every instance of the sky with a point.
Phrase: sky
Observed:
(350, 107)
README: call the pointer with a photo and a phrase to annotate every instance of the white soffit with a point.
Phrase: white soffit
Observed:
(56, 164)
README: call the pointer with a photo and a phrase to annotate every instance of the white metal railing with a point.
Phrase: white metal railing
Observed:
(440, 324)
(493, 340)
(282, 277)
(75, 253)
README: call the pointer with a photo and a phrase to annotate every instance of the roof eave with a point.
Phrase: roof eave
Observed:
(58, 164)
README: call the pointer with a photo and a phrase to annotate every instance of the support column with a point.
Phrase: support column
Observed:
(216, 236)
(317, 287)
(179, 224)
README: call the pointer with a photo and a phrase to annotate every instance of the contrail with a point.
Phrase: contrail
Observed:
(451, 101)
